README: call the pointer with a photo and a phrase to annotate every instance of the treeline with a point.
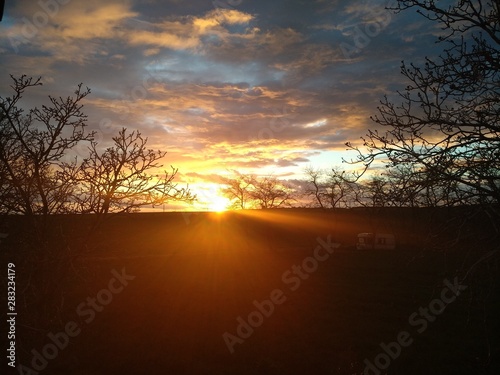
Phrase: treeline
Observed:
(401, 186)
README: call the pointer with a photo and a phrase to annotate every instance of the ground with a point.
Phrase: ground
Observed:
(222, 293)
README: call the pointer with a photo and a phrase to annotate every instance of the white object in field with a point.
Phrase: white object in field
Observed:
(377, 241)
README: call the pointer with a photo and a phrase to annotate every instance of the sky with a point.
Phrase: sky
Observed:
(258, 87)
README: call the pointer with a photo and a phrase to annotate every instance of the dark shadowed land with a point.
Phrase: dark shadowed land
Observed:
(185, 279)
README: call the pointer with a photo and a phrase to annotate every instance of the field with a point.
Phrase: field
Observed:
(254, 292)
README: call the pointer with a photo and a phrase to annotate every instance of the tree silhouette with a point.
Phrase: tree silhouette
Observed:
(448, 123)
(34, 179)
(247, 191)
(237, 190)
(270, 192)
(331, 189)
(120, 178)
(32, 146)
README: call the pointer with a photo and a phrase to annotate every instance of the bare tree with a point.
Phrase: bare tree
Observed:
(331, 189)
(404, 186)
(34, 179)
(32, 146)
(237, 190)
(448, 123)
(314, 185)
(435, 191)
(247, 191)
(270, 192)
(339, 188)
(376, 192)
(121, 179)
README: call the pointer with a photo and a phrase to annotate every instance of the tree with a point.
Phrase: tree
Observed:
(331, 189)
(32, 146)
(339, 188)
(448, 123)
(120, 179)
(401, 186)
(314, 185)
(34, 179)
(270, 192)
(246, 191)
(376, 192)
(237, 190)
(437, 192)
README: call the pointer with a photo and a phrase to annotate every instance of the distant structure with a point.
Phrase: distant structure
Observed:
(375, 241)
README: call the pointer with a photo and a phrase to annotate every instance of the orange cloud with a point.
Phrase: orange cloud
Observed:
(187, 32)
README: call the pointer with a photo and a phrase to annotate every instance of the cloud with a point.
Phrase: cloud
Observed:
(187, 32)
(261, 87)
(67, 32)
(92, 19)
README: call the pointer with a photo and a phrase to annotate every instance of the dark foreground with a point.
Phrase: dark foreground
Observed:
(252, 293)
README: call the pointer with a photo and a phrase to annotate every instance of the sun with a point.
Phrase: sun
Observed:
(210, 198)
(218, 204)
